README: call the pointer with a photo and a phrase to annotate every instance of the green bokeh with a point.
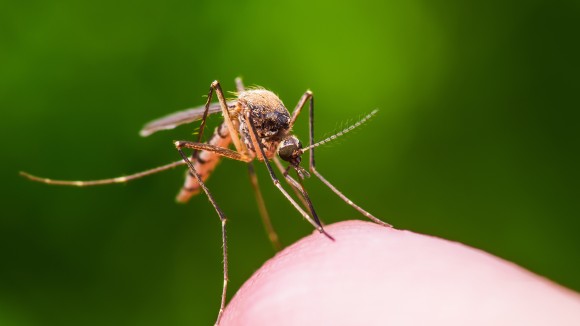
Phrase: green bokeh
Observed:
(476, 140)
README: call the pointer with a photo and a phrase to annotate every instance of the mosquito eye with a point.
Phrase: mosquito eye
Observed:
(287, 149)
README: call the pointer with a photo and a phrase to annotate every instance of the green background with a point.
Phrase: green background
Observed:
(476, 140)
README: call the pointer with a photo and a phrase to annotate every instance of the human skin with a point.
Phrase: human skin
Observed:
(373, 275)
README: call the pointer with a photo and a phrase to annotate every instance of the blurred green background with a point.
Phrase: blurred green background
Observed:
(476, 140)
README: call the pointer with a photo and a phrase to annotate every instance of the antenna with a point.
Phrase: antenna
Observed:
(342, 132)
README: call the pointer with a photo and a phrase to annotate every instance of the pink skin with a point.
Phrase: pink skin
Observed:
(372, 275)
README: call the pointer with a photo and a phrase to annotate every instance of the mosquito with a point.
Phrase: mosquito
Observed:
(259, 126)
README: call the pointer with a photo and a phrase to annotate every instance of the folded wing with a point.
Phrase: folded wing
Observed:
(178, 118)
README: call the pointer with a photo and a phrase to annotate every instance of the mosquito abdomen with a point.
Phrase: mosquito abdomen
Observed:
(204, 164)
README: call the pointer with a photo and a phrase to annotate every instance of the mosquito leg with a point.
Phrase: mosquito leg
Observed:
(284, 172)
(204, 119)
(272, 235)
(187, 190)
(240, 146)
(253, 178)
(223, 220)
(307, 96)
(314, 219)
(326, 182)
(208, 156)
(298, 186)
(88, 183)
(348, 201)
(221, 151)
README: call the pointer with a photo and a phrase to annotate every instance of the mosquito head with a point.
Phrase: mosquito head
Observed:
(290, 150)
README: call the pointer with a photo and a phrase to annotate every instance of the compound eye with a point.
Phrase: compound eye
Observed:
(287, 149)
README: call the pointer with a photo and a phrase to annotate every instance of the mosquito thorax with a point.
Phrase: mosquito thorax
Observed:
(289, 149)
(269, 114)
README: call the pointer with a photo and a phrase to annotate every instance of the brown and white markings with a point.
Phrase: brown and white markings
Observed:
(259, 126)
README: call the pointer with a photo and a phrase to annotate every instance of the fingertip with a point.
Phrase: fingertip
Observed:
(377, 275)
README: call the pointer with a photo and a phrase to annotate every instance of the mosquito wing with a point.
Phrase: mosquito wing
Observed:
(178, 118)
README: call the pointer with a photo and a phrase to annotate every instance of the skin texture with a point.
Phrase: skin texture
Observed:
(372, 275)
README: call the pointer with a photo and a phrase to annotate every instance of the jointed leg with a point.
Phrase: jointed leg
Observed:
(253, 179)
(223, 220)
(223, 152)
(211, 148)
(238, 144)
(298, 186)
(204, 119)
(314, 219)
(88, 183)
(272, 235)
(284, 172)
(326, 182)
(307, 96)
